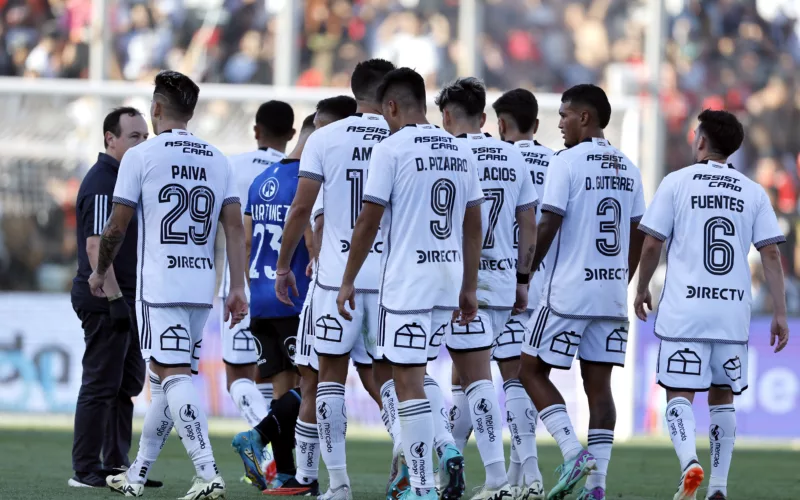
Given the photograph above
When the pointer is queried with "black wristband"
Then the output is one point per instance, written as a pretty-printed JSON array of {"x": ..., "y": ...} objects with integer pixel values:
[{"x": 523, "y": 278}]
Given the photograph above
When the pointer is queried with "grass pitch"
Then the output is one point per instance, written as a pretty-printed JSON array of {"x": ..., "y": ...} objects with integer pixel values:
[{"x": 37, "y": 464}]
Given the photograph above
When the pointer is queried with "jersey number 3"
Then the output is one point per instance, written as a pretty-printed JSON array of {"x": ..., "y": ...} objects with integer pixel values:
[
  {"x": 199, "y": 202},
  {"x": 609, "y": 245}
]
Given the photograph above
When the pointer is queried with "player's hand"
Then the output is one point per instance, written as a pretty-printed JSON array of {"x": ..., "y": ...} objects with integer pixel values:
[
  {"x": 467, "y": 308},
  {"x": 347, "y": 295},
  {"x": 521, "y": 304},
  {"x": 284, "y": 281},
  {"x": 96, "y": 282},
  {"x": 310, "y": 268},
  {"x": 779, "y": 330},
  {"x": 639, "y": 302},
  {"x": 235, "y": 307}
]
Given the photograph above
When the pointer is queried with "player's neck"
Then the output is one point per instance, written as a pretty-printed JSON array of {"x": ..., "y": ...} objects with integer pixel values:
[
  {"x": 272, "y": 144},
  {"x": 712, "y": 157},
  {"x": 592, "y": 133},
  {"x": 516, "y": 137},
  {"x": 298, "y": 149},
  {"x": 368, "y": 107},
  {"x": 465, "y": 128},
  {"x": 415, "y": 117},
  {"x": 165, "y": 125}
]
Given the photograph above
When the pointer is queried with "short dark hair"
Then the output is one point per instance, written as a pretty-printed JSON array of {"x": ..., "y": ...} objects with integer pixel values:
[
  {"x": 179, "y": 93},
  {"x": 111, "y": 122},
  {"x": 468, "y": 93},
  {"x": 367, "y": 76},
  {"x": 592, "y": 96},
  {"x": 723, "y": 131},
  {"x": 275, "y": 118},
  {"x": 337, "y": 107},
  {"x": 402, "y": 83},
  {"x": 521, "y": 105},
  {"x": 308, "y": 122}
]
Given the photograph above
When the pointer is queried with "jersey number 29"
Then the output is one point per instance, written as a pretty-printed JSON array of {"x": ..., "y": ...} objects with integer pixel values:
[{"x": 200, "y": 204}]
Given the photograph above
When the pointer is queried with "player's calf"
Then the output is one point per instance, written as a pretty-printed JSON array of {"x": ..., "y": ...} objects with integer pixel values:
[{"x": 722, "y": 435}]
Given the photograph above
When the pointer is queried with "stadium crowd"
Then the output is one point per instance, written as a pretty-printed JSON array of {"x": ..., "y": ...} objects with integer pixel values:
[{"x": 740, "y": 55}]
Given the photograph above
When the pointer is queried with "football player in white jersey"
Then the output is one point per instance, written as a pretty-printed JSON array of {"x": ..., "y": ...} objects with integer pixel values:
[
  {"x": 709, "y": 214},
  {"x": 511, "y": 201},
  {"x": 180, "y": 186},
  {"x": 335, "y": 160},
  {"x": 425, "y": 198},
  {"x": 517, "y": 120},
  {"x": 591, "y": 205},
  {"x": 273, "y": 130}
]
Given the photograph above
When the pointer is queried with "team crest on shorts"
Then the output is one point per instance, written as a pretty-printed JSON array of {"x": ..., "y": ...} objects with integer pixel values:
[
  {"x": 566, "y": 343},
  {"x": 410, "y": 337},
  {"x": 291, "y": 346},
  {"x": 684, "y": 362},
  {"x": 328, "y": 328},
  {"x": 617, "y": 340},
  {"x": 733, "y": 368},
  {"x": 175, "y": 338},
  {"x": 243, "y": 340}
]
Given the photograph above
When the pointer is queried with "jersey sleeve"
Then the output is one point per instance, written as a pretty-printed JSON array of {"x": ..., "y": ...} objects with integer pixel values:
[
  {"x": 311, "y": 159},
  {"x": 317, "y": 209},
  {"x": 128, "y": 189},
  {"x": 765, "y": 226},
  {"x": 639, "y": 206},
  {"x": 556, "y": 187},
  {"x": 94, "y": 210},
  {"x": 380, "y": 176},
  {"x": 475, "y": 192},
  {"x": 248, "y": 208},
  {"x": 231, "y": 191},
  {"x": 659, "y": 218},
  {"x": 528, "y": 197}
]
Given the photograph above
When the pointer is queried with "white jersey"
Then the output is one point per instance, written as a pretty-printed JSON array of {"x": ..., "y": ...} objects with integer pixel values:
[
  {"x": 537, "y": 158},
  {"x": 179, "y": 184},
  {"x": 246, "y": 167},
  {"x": 338, "y": 156},
  {"x": 426, "y": 179},
  {"x": 507, "y": 189},
  {"x": 598, "y": 191},
  {"x": 710, "y": 215}
]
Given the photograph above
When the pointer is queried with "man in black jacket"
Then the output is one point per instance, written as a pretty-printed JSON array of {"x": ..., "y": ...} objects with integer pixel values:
[{"x": 113, "y": 368}]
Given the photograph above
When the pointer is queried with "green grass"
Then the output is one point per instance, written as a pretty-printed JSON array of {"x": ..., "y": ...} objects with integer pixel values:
[{"x": 36, "y": 465}]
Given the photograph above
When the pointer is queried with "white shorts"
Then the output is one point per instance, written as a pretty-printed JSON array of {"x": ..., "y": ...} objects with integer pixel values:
[
  {"x": 405, "y": 339},
  {"x": 171, "y": 336},
  {"x": 304, "y": 354},
  {"x": 556, "y": 340},
  {"x": 334, "y": 335},
  {"x": 508, "y": 345},
  {"x": 479, "y": 334},
  {"x": 239, "y": 347},
  {"x": 698, "y": 366}
]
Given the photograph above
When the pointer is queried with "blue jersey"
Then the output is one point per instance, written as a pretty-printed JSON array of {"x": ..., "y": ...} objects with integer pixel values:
[{"x": 268, "y": 202}]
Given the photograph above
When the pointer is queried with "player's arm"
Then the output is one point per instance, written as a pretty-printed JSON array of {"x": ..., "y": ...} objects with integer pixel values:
[
  {"x": 110, "y": 287},
  {"x": 367, "y": 224},
  {"x": 656, "y": 225},
  {"x": 473, "y": 240},
  {"x": 112, "y": 236},
  {"x": 248, "y": 241},
  {"x": 554, "y": 207},
  {"x": 319, "y": 225},
  {"x": 766, "y": 237},
  {"x": 308, "y": 237},
  {"x": 235, "y": 246},
  {"x": 526, "y": 220},
  {"x": 94, "y": 208},
  {"x": 308, "y": 186},
  {"x": 635, "y": 249}
]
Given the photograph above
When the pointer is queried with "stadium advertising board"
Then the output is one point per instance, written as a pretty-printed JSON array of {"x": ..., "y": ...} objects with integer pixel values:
[{"x": 767, "y": 409}]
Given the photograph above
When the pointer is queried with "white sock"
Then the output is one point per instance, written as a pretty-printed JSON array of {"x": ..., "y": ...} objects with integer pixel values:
[
  {"x": 522, "y": 424},
  {"x": 680, "y": 422},
  {"x": 722, "y": 434},
  {"x": 389, "y": 403},
  {"x": 155, "y": 431},
  {"x": 249, "y": 400},
  {"x": 306, "y": 450},
  {"x": 514, "y": 467},
  {"x": 460, "y": 421},
  {"x": 487, "y": 422},
  {"x": 191, "y": 423},
  {"x": 266, "y": 392},
  {"x": 416, "y": 429},
  {"x": 441, "y": 418},
  {"x": 600, "y": 443},
  {"x": 558, "y": 424},
  {"x": 332, "y": 428}
]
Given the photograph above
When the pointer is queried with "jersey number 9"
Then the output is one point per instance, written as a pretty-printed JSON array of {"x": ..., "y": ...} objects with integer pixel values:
[
  {"x": 199, "y": 202},
  {"x": 443, "y": 198}
]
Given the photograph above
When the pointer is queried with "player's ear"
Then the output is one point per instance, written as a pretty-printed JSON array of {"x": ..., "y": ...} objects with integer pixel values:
[
  {"x": 483, "y": 119},
  {"x": 291, "y": 135},
  {"x": 255, "y": 132},
  {"x": 536, "y": 126},
  {"x": 501, "y": 126}
]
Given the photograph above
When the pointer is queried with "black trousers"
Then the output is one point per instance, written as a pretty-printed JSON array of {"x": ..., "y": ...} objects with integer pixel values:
[{"x": 113, "y": 373}]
